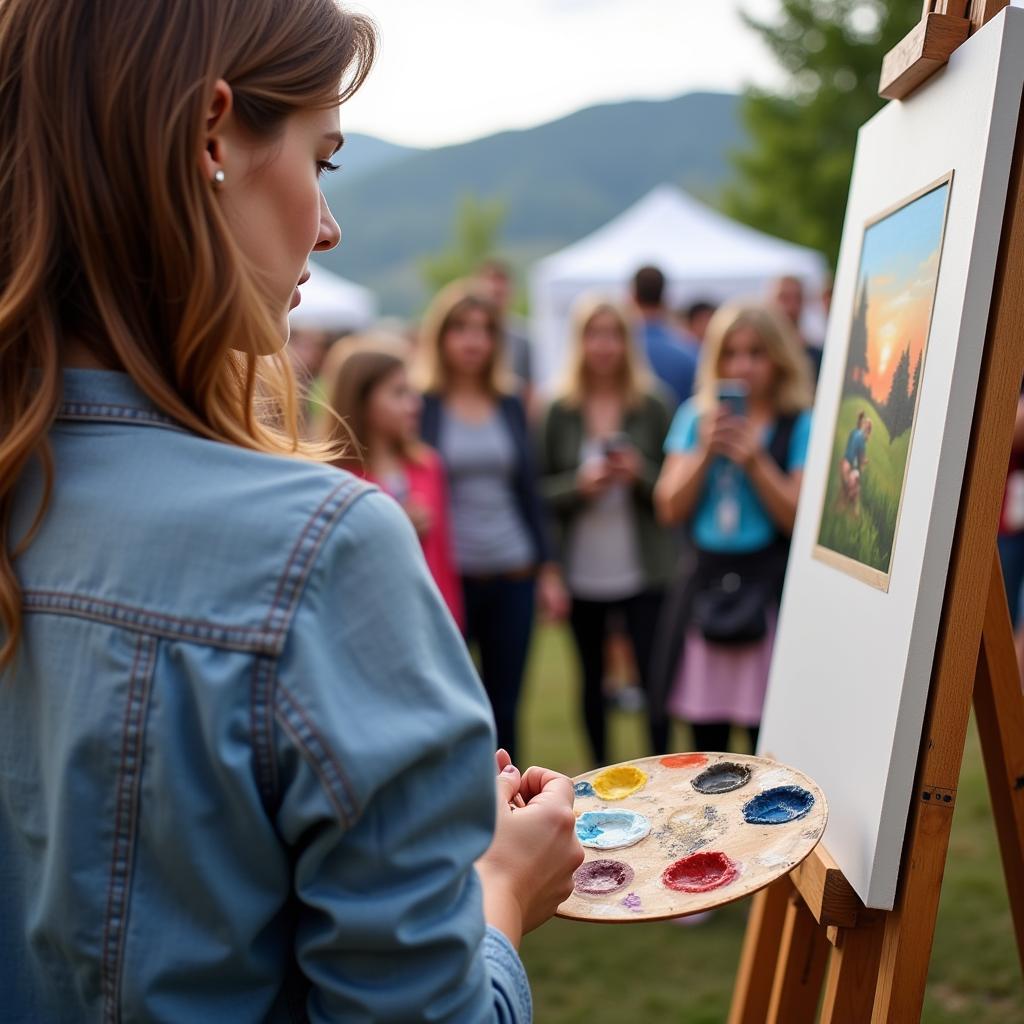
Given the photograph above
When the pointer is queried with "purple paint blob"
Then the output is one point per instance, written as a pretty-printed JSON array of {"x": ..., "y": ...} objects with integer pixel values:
[
  {"x": 602, "y": 877},
  {"x": 632, "y": 902}
]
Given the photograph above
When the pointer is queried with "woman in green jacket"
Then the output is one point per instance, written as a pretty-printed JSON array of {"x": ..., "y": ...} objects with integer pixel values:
[{"x": 601, "y": 452}]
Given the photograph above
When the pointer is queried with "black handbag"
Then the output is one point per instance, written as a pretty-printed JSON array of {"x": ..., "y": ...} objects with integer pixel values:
[
  {"x": 732, "y": 593},
  {"x": 732, "y": 609}
]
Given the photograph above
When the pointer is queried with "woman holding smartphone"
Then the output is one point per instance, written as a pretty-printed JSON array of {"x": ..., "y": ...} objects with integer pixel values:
[
  {"x": 601, "y": 452},
  {"x": 732, "y": 475},
  {"x": 247, "y": 772}
]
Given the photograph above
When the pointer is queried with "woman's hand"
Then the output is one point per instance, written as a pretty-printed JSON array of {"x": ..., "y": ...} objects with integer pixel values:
[
  {"x": 527, "y": 871},
  {"x": 552, "y": 595},
  {"x": 735, "y": 438},
  {"x": 593, "y": 478},
  {"x": 625, "y": 464}
]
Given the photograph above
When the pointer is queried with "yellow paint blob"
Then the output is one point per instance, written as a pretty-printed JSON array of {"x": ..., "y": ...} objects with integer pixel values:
[{"x": 620, "y": 782}]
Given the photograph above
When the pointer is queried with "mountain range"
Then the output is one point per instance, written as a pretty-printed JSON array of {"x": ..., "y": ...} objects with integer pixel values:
[{"x": 558, "y": 181}]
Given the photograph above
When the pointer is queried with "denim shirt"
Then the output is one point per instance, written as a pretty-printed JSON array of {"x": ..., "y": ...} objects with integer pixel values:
[{"x": 245, "y": 762}]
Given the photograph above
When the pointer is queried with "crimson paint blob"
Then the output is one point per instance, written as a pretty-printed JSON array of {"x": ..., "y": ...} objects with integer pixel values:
[
  {"x": 601, "y": 877},
  {"x": 684, "y": 760},
  {"x": 700, "y": 872}
]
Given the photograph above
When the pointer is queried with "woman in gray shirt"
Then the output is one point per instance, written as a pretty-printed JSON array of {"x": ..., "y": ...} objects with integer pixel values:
[{"x": 473, "y": 417}]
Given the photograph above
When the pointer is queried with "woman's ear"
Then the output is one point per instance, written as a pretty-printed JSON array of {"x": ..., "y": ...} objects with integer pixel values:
[{"x": 219, "y": 119}]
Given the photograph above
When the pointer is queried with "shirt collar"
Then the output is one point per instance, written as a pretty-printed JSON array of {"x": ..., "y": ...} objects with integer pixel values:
[{"x": 109, "y": 397}]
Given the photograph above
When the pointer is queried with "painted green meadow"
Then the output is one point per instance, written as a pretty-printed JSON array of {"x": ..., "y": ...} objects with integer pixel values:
[{"x": 868, "y": 537}]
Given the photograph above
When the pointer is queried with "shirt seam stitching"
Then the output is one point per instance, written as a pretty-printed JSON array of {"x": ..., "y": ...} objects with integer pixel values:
[
  {"x": 126, "y": 801},
  {"x": 323, "y": 762}
]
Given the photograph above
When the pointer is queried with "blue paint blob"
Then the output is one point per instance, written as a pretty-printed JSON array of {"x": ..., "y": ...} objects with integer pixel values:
[
  {"x": 611, "y": 830},
  {"x": 583, "y": 789},
  {"x": 778, "y": 806}
]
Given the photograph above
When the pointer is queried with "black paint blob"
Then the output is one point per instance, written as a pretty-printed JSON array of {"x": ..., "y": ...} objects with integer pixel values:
[{"x": 720, "y": 778}]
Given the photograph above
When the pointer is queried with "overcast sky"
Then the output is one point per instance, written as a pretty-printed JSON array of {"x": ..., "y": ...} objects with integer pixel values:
[{"x": 453, "y": 70}]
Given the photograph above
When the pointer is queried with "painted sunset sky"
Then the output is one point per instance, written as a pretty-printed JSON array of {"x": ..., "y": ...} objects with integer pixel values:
[{"x": 900, "y": 262}]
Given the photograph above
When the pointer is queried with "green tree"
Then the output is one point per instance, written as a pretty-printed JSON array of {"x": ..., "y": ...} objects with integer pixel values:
[
  {"x": 478, "y": 224},
  {"x": 916, "y": 384},
  {"x": 793, "y": 179},
  {"x": 857, "y": 357},
  {"x": 898, "y": 411}
]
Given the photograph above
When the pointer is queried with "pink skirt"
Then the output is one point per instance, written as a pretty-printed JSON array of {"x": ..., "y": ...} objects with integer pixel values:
[{"x": 715, "y": 683}]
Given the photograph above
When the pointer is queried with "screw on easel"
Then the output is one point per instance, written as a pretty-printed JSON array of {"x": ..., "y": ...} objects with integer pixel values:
[{"x": 1019, "y": 782}]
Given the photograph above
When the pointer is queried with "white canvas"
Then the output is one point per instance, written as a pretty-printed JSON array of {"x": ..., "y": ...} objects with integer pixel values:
[{"x": 853, "y": 663}]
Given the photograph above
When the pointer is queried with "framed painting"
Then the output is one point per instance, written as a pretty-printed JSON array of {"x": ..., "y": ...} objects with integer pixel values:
[{"x": 887, "y": 342}]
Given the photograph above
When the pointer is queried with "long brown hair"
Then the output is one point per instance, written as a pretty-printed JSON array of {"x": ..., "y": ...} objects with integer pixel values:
[
  {"x": 448, "y": 307},
  {"x": 111, "y": 235},
  {"x": 362, "y": 365}
]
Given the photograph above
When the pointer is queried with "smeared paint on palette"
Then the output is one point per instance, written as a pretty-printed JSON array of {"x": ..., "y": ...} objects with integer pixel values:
[{"x": 688, "y": 832}]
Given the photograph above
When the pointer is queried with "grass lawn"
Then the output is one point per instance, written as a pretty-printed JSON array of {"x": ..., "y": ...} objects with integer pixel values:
[
  {"x": 869, "y": 538},
  {"x": 648, "y": 974}
]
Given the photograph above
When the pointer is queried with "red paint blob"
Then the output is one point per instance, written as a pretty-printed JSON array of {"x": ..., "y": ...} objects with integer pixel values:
[
  {"x": 700, "y": 872},
  {"x": 684, "y": 760}
]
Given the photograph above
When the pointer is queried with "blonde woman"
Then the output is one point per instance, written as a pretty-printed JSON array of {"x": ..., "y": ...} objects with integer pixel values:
[
  {"x": 473, "y": 416},
  {"x": 601, "y": 452},
  {"x": 732, "y": 475},
  {"x": 246, "y": 769}
]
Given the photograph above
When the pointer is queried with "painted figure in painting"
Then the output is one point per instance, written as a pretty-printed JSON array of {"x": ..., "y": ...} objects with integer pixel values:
[
  {"x": 888, "y": 340},
  {"x": 854, "y": 462}
]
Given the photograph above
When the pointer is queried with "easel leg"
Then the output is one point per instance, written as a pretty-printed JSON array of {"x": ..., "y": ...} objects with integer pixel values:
[
  {"x": 999, "y": 709},
  {"x": 753, "y": 990},
  {"x": 853, "y": 972},
  {"x": 803, "y": 953}
]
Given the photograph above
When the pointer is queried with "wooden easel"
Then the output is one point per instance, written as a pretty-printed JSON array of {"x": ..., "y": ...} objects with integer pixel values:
[{"x": 809, "y": 931}]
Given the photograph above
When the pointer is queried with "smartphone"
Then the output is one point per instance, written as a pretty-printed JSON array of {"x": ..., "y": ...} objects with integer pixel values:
[
  {"x": 615, "y": 443},
  {"x": 733, "y": 395}
]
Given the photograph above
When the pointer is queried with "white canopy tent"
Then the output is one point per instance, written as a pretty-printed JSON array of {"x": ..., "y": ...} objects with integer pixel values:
[
  {"x": 331, "y": 303},
  {"x": 703, "y": 254}
]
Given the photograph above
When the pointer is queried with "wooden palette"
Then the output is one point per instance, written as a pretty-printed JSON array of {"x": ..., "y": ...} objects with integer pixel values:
[{"x": 719, "y": 848}]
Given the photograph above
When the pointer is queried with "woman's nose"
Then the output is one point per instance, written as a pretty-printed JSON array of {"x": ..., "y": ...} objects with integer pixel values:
[{"x": 330, "y": 233}]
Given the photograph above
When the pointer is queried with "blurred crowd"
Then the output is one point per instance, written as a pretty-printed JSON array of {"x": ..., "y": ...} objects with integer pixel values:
[{"x": 646, "y": 499}]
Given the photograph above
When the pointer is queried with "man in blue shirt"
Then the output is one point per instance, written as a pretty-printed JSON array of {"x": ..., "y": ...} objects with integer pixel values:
[{"x": 672, "y": 356}]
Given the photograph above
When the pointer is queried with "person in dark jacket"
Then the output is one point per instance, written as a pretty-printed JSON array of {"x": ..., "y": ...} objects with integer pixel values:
[
  {"x": 474, "y": 418},
  {"x": 601, "y": 452}
]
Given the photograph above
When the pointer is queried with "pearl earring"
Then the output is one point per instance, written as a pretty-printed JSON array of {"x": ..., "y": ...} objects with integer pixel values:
[{"x": 219, "y": 177}]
